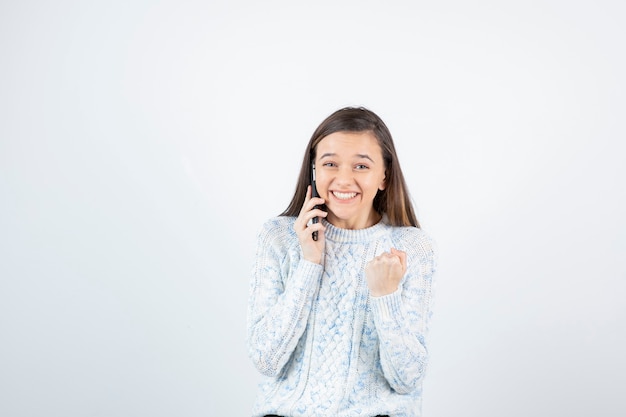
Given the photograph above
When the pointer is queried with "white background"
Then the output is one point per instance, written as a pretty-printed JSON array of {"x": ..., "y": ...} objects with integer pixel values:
[{"x": 143, "y": 143}]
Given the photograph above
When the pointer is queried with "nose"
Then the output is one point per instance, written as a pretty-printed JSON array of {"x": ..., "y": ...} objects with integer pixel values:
[{"x": 344, "y": 176}]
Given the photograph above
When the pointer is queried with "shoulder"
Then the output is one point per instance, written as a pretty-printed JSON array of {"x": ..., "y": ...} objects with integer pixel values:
[
  {"x": 279, "y": 224},
  {"x": 415, "y": 241},
  {"x": 278, "y": 231}
]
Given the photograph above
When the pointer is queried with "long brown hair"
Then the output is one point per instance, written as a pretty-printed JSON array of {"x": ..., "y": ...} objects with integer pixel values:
[{"x": 394, "y": 200}]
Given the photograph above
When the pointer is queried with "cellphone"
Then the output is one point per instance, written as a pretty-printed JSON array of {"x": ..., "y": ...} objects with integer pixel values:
[{"x": 314, "y": 193}]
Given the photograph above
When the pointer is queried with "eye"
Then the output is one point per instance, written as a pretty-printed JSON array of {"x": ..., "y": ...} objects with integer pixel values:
[
  {"x": 361, "y": 167},
  {"x": 329, "y": 164}
]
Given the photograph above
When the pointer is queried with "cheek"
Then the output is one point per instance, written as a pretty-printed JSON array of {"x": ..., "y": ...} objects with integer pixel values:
[
  {"x": 377, "y": 181},
  {"x": 370, "y": 188},
  {"x": 382, "y": 183},
  {"x": 322, "y": 184},
  {"x": 321, "y": 179}
]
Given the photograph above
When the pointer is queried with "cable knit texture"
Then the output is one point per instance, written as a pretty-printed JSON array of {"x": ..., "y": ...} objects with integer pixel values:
[{"x": 325, "y": 346}]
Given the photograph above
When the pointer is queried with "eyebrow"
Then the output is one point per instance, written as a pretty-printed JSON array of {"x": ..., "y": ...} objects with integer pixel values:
[{"x": 360, "y": 155}]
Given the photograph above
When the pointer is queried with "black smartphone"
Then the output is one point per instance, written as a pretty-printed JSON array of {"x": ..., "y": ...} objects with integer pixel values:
[{"x": 314, "y": 193}]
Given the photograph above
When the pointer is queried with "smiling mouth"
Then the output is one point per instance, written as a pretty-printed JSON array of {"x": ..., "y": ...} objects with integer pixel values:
[{"x": 344, "y": 196}]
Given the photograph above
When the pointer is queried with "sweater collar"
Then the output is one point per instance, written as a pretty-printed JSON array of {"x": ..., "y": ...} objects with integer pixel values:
[{"x": 337, "y": 234}]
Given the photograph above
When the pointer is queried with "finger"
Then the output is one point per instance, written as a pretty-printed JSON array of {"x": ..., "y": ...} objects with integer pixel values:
[
  {"x": 305, "y": 219},
  {"x": 313, "y": 215},
  {"x": 386, "y": 259},
  {"x": 310, "y": 202},
  {"x": 401, "y": 255},
  {"x": 403, "y": 260},
  {"x": 307, "y": 197},
  {"x": 315, "y": 227}
]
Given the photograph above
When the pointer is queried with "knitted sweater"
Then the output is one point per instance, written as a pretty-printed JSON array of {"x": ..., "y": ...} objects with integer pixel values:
[{"x": 325, "y": 346}]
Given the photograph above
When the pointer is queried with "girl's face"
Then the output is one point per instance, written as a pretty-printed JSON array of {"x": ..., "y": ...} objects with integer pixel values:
[{"x": 349, "y": 172}]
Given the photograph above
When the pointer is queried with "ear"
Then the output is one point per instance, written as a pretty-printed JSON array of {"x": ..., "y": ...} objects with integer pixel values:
[{"x": 383, "y": 183}]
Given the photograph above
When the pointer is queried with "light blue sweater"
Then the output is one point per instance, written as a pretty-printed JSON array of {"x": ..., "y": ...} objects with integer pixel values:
[{"x": 324, "y": 345}]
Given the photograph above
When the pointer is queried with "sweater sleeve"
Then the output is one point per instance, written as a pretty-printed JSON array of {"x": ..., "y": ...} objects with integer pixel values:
[
  {"x": 402, "y": 318},
  {"x": 282, "y": 289}
]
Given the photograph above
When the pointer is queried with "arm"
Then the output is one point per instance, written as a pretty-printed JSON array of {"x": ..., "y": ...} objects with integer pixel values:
[
  {"x": 281, "y": 295},
  {"x": 401, "y": 319}
]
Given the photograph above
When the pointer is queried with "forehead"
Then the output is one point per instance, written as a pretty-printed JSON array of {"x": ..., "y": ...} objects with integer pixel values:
[{"x": 349, "y": 144}]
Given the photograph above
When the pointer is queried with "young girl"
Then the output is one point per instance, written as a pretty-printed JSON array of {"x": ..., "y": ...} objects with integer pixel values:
[{"x": 339, "y": 308}]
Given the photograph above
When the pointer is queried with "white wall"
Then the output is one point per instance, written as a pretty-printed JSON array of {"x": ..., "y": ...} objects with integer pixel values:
[{"x": 143, "y": 143}]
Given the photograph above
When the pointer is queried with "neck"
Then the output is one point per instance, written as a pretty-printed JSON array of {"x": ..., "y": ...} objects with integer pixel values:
[{"x": 355, "y": 224}]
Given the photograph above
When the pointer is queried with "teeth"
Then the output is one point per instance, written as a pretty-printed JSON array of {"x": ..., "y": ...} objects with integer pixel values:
[{"x": 344, "y": 196}]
